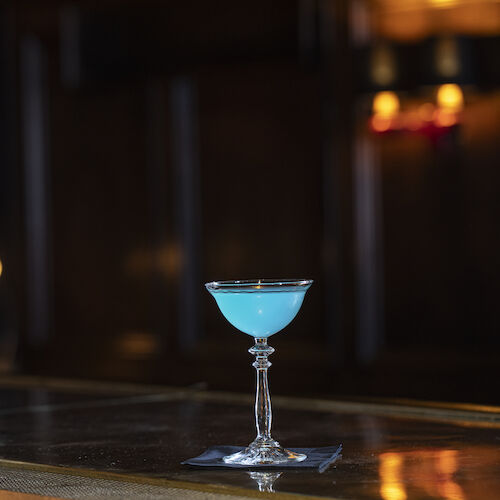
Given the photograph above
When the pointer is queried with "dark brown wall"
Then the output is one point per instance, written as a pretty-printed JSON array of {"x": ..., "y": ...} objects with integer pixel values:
[{"x": 182, "y": 144}]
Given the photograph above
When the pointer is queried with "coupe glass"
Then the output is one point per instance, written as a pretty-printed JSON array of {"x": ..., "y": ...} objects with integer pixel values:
[{"x": 261, "y": 308}]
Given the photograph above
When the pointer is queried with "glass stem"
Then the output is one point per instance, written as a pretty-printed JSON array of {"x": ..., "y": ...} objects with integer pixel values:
[{"x": 263, "y": 412}]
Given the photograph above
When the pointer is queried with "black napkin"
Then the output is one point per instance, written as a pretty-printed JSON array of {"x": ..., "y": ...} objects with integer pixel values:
[{"x": 317, "y": 458}]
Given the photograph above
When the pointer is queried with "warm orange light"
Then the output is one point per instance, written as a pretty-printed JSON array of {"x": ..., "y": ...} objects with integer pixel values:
[
  {"x": 1, "y": 267},
  {"x": 445, "y": 118},
  {"x": 380, "y": 123},
  {"x": 412, "y": 120},
  {"x": 392, "y": 487},
  {"x": 447, "y": 462},
  {"x": 426, "y": 111},
  {"x": 450, "y": 97},
  {"x": 386, "y": 104},
  {"x": 441, "y": 4},
  {"x": 166, "y": 260},
  {"x": 418, "y": 19},
  {"x": 452, "y": 491},
  {"x": 259, "y": 285},
  {"x": 447, "y": 465},
  {"x": 137, "y": 345}
]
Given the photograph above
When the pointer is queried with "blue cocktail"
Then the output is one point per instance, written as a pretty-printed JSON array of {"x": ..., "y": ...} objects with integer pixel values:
[
  {"x": 258, "y": 311},
  {"x": 261, "y": 308}
]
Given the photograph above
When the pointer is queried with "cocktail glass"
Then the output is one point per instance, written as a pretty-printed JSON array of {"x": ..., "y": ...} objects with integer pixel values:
[{"x": 261, "y": 308}]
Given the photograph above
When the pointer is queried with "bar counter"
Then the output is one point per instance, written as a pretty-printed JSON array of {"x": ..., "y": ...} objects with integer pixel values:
[{"x": 74, "y": 439}]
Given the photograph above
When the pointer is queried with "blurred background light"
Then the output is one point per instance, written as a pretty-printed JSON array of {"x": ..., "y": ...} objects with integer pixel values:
[
  {"x": 163, "y": 129},
  {"x": 450, "y": 97},
  {"x": 386, "y": 104},
  {"x": 447, "y": 57},
  {"x": 380, "y": 123},
  {"x": 383, "y": 66},
  {"x": 385, "y": 109},
  {"x": 426, "y": 111},
  {"x": 441, "y": 4},
  {"x": 416, "y": 19},
  {"x": 444, "y": 118},
  {"x": 137, "y": 345}
]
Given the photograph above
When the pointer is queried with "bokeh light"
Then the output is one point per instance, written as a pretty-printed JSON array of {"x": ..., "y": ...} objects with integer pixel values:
[
  {"x": 386, "y": 104},
  {"x": 450, "y": 97}
]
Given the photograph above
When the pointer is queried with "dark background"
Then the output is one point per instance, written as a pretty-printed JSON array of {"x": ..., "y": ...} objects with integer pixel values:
[{"x": 149, "y": 147}]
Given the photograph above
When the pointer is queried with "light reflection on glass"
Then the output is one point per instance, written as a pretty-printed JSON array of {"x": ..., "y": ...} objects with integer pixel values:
[{"x": 265, "y": 480}]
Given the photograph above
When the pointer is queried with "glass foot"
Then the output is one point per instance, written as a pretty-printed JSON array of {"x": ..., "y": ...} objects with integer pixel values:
[{"x": 262, "y": 452}]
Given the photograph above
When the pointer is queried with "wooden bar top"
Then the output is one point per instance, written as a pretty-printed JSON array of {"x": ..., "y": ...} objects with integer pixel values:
[{"x": 130, "y": 440}]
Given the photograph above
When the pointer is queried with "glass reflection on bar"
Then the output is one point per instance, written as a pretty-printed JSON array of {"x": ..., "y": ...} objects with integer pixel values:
[
  {"x": 392, "y": 486},
  {"x": 428, "y": 473}
]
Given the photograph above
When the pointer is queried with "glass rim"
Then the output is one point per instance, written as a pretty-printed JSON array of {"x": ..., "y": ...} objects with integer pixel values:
[{"x": 258, "y": 284}]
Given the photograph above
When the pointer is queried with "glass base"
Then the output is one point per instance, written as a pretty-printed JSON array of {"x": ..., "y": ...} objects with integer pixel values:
[{"x": 264, "y": 452}]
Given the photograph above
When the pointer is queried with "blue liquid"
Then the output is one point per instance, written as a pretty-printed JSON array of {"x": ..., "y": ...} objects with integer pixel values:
[{"x": 260, "y": 314}]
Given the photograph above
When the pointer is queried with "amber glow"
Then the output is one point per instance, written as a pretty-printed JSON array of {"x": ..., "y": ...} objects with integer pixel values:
[
  {"x": 417, "y": 117},
  {"x": 259, "y": 285},
  {"x": 447, "y": 461},
  {"x": 1, "y": 267},
  {"x": 444, "y": 118},
  {"x": 392, "y": 486},
  {"x": 385, "y": 109},
  {"x": 447, "y": 465},
  {"x": 441, "y": 4},
  {"x": 426, "y": 111},
  {"x": 166, "y": 260},
  {"x": 380, "y": 124},
  {"x": 137, "y": 345},
  {"x": 417, "y": 19},
  {"x": 412, "y": 120},
  {"x": 430, "y": 471},
  {"x": 450, "y": 97},
  {"x": 386, "y": 104}
]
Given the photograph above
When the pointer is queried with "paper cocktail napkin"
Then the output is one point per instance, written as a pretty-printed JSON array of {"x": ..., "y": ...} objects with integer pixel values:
[{"x": 317, "y": 458}]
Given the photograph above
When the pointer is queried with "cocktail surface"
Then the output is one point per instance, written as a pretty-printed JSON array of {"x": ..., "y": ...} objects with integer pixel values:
[{"x": 260, "y": 313}]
